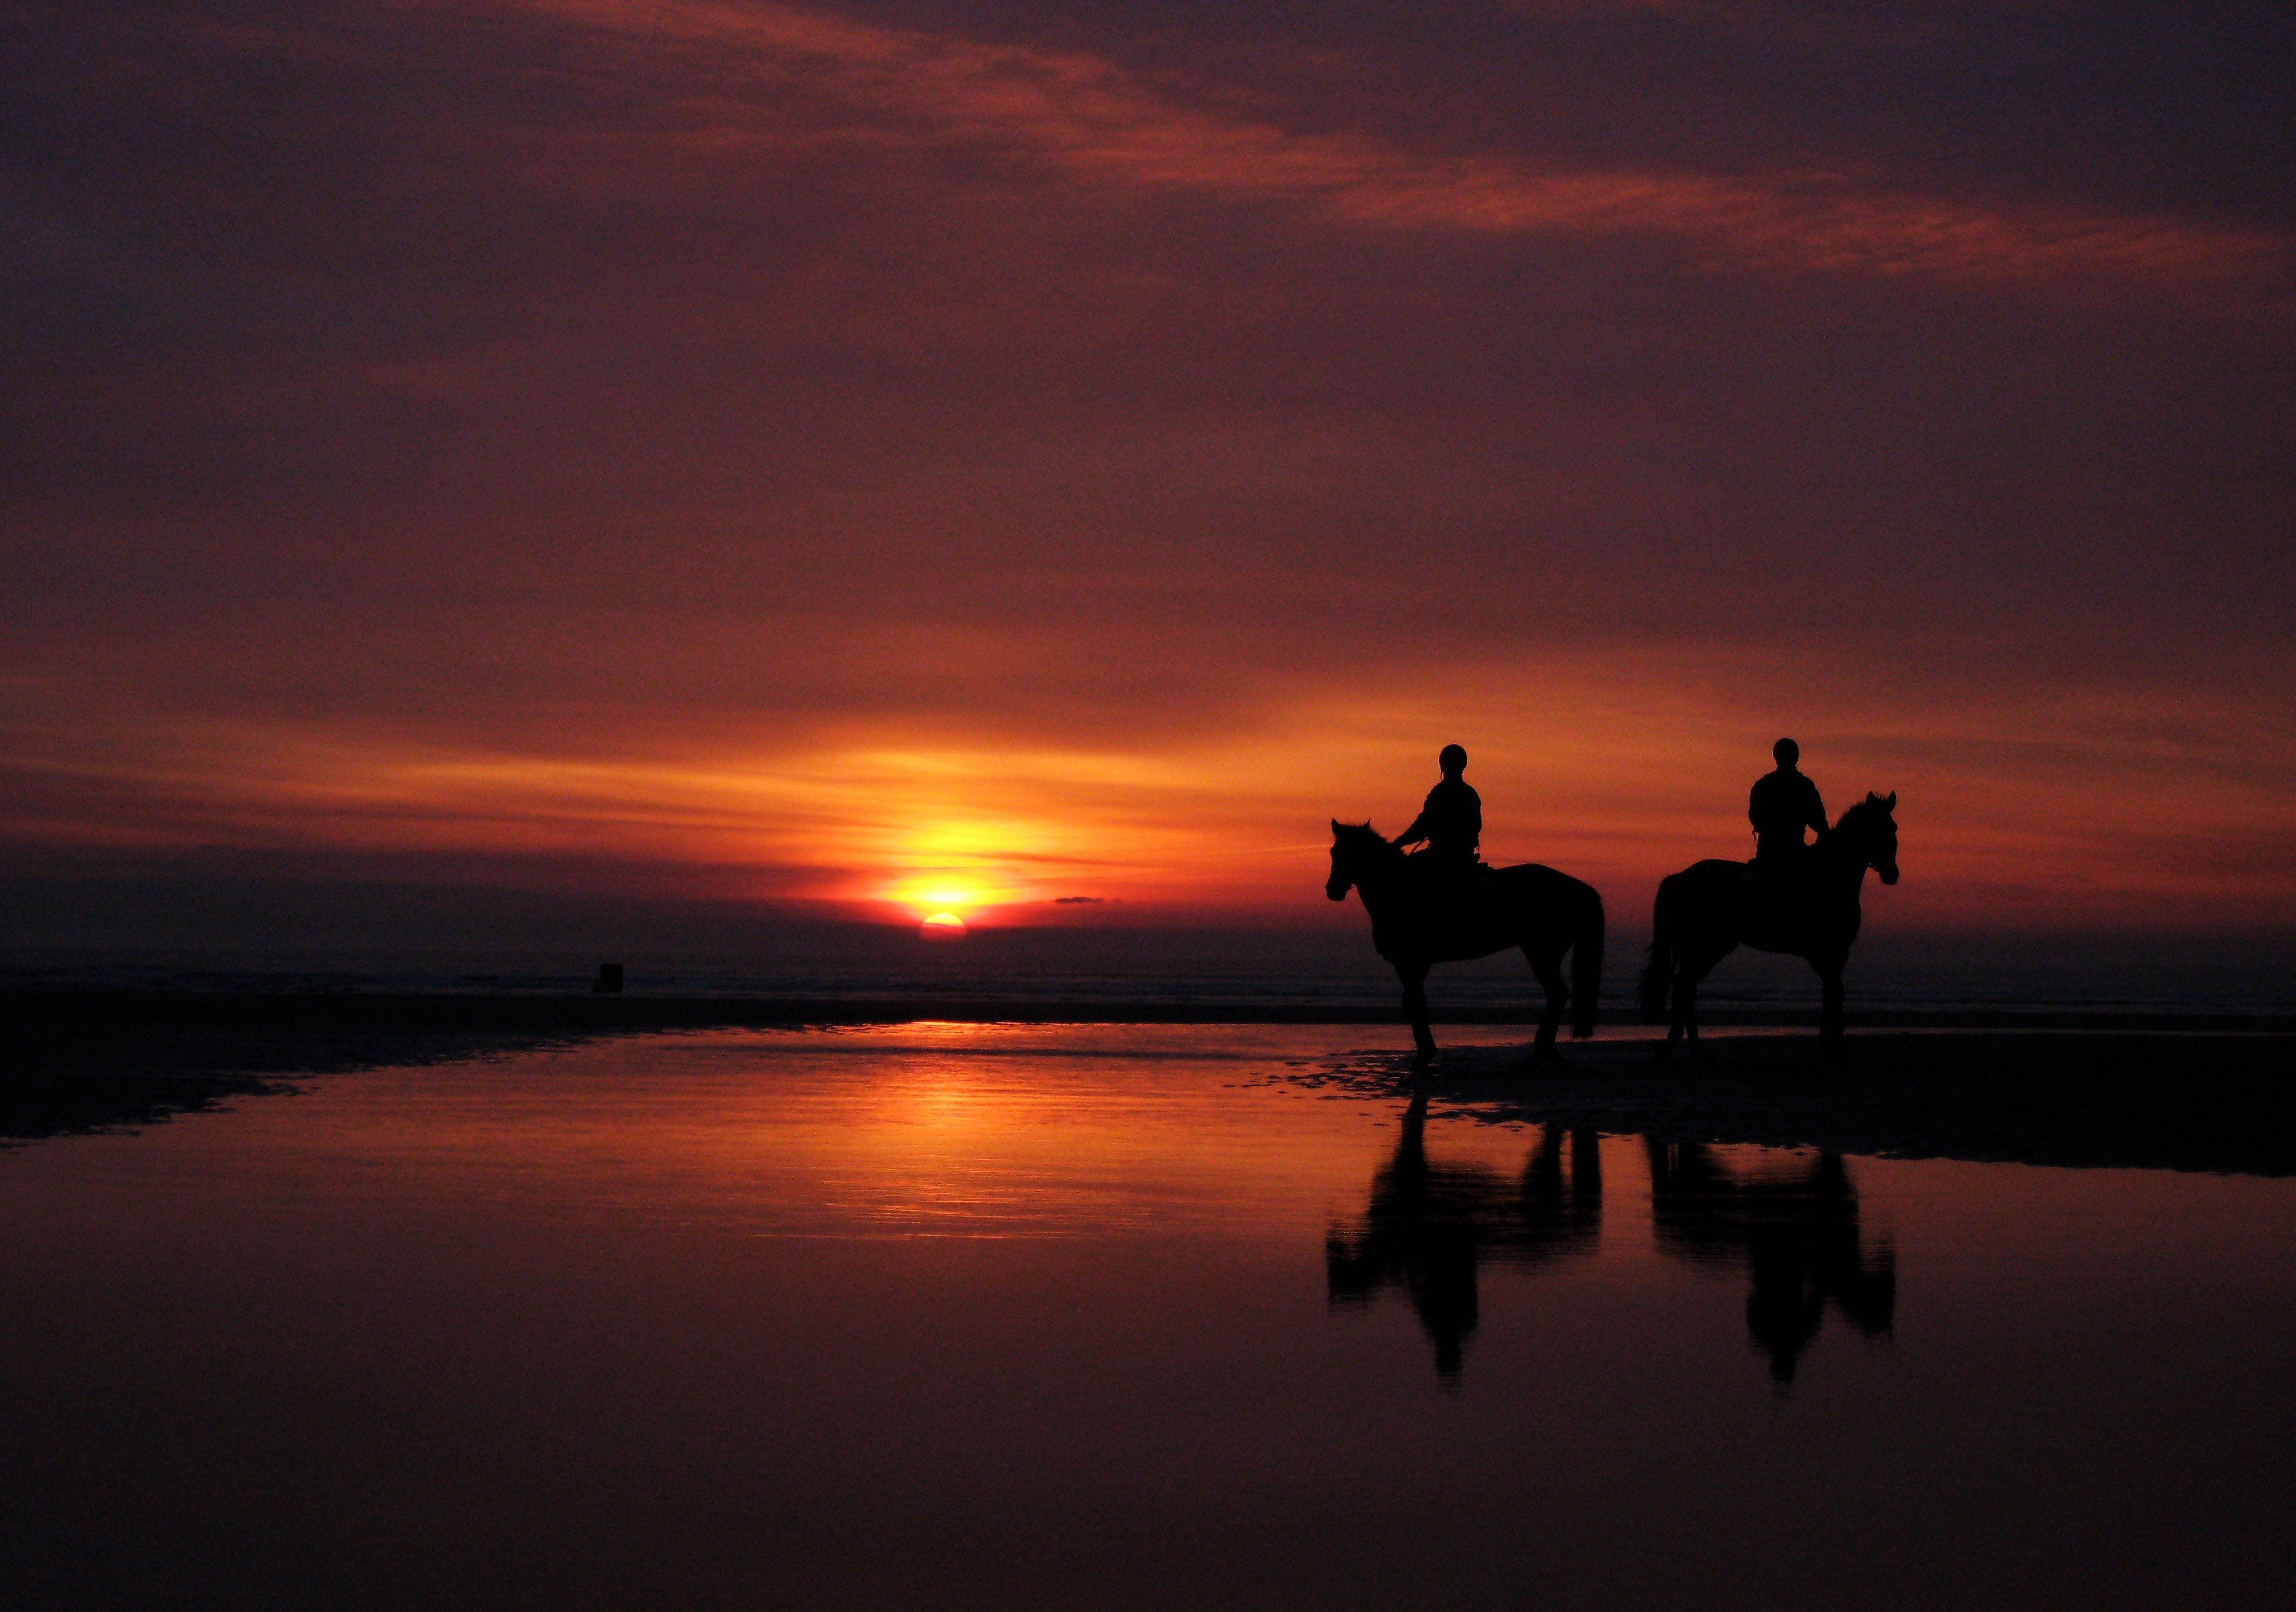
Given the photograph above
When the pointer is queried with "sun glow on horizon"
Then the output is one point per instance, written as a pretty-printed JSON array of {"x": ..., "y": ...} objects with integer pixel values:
[
  {"x": 1617, "y": 774},
  {"x": 960, "y": 868},
  {"x": 944, "y": 896}
]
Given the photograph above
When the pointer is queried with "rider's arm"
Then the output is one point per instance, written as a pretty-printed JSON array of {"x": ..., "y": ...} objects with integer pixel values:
[
  {"x": 1816, "y": 812},
  {"x": 1413, "y": 835}
]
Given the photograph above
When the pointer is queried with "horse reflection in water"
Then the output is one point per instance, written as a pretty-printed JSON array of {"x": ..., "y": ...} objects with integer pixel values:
[
  {"x": 1796, "y": 1231},
  {"x": 1429, "y": 1226}
]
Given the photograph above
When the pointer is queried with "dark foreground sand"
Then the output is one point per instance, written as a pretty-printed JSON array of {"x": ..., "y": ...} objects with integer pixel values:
[{"x": 2164, "y": 1093}]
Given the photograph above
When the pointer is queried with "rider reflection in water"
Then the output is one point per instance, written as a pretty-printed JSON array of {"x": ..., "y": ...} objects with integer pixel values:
[{"x": 1451, "y": 822}]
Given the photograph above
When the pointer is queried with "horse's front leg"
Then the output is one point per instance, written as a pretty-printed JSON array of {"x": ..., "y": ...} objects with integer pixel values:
[
  {"x": 1829, "y": 1017},
  {"x": 1415, "y": 1004}
]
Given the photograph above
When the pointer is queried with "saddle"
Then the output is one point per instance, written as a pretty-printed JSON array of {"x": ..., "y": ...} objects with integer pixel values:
[
  {"x": 1779, "y": 893},
  {"x": 1433, "y": 868},
  {"x": 1448, "y": 886}
]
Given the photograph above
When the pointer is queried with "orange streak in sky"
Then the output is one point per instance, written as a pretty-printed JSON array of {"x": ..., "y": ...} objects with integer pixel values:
[{"x": 2052, "y": 809}]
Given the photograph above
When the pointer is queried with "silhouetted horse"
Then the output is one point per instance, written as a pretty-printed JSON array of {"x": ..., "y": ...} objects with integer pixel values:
[
  {"x": 1711, "y": 908},
  {"x": 1418, "y": 920}
]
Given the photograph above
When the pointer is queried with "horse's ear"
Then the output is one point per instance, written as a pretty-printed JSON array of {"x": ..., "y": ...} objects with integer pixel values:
[
  {"x": 1335, "y": 825},
  {"x": 1892, "y": 802}
]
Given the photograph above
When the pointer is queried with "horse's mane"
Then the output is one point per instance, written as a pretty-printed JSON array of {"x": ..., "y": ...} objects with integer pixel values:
[
  {"x": 1858, "y": 816},
  {"x": 1363, "y": 833}
]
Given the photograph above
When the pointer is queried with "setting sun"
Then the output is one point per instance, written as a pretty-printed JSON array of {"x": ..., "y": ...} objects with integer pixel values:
[
  {"x": 928, "y": 900},
  {"x": 942, "y": 926}
]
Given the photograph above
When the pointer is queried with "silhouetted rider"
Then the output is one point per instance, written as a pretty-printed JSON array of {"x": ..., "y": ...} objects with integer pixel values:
[
  {"x": 1783, "y": 805},
  {"x": 1451, "y": 823}
]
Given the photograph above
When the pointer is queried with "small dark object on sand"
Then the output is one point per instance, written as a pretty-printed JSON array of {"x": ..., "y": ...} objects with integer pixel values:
[{"x": 608, "y": 982}]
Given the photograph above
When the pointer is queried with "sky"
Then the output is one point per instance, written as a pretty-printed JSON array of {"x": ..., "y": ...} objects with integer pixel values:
[{"x": 1044, "y": 462}]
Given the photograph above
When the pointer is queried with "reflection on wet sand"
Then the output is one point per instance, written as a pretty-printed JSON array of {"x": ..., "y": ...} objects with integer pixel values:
[
  {"x": 1793, "y": 1223},
  {"x": 1793, "y": 1226},
  {"x": 980, "y": 1316},
  {"x": 1429, "y": 1225}
]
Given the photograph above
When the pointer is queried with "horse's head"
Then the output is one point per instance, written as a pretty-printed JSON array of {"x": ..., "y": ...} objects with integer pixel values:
[
  {"x": 1869, "y": 831},
  {"x": 1351, "y": 842}
]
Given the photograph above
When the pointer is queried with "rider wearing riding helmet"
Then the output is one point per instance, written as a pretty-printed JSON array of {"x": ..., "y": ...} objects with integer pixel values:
[{"x": 1451, "y": 822}]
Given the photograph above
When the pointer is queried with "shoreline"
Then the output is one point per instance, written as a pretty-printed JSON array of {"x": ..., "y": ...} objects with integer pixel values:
[
  {"x": 2194, "y": 1092},
  {"x": 75, "y": 1009}
]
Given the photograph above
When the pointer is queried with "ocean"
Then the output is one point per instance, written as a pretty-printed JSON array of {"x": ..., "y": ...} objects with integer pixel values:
[{"x": 1249, "y": 971}]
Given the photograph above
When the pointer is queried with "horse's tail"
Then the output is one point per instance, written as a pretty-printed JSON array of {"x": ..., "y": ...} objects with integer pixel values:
[
  {"x": 1586, "y": 966},
  {"x": 1660, "y": 972}
]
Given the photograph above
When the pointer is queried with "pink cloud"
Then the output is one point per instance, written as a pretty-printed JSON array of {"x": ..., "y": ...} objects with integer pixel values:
[{"x": 1095, "y": 119}]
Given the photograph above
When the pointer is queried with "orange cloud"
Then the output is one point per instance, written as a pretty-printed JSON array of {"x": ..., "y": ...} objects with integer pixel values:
[{"x": 2019, "y": 808}]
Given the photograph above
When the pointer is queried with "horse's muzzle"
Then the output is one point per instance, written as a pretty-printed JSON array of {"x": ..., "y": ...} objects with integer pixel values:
[
  {"x": 1889, "y": 874},
  {"x": 1336, "y": 890}
]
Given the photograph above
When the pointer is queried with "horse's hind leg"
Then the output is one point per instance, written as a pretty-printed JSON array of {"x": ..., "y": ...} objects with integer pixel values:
[
  {"x": 1674, "y": 1025},
  {"x": 1686, "y": 997},
  {"x": 1415, "y": 1004},
  {"x": 1549, "y": 970}
]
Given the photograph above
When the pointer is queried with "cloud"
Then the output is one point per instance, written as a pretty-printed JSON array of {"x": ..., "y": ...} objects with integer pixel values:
[
  {"x": 1862, "y": 25},
  {"x": 1619, "y": 769},
  {"x": 1099, "y": 121}
]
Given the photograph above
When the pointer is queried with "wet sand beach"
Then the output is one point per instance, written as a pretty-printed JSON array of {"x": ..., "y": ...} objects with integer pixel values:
[
  {"x": 1138, "y": 1315},
  {"x": 2175, "y": 1091}
]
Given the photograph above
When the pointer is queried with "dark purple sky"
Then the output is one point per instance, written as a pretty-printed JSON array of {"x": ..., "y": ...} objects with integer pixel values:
[{"x": 896, "y": 452}]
